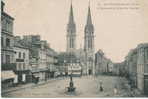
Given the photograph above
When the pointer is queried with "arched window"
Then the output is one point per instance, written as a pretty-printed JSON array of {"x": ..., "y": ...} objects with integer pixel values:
[{"x": 70, "y": 43}]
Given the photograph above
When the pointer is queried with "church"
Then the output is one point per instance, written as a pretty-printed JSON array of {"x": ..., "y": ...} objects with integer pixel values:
[{"x": 83, "y": 57}]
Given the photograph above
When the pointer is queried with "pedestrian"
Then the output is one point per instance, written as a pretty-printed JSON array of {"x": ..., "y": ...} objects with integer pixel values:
[
  {"x": 115, "y": 90},
  {"x": 101, "y": 86}
]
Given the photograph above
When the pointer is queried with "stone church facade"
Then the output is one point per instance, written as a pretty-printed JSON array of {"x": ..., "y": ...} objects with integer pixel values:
[{"x": 87, "y": 63}]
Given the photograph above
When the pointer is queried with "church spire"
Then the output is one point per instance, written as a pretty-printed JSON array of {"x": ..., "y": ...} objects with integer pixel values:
[
  {"x": 89, "y": 28},
  {"x": 71, "y": 28},
  {"x": 71, "y": 17},
  {"x": 89, "y": 21},
  {"x": 71, "y": 32}
]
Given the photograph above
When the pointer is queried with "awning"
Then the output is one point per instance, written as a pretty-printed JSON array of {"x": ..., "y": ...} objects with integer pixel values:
[{"x": 7, "y": 75}]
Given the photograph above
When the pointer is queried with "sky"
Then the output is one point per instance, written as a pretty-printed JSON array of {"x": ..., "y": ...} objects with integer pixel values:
[{"x": 116, "y": 31}]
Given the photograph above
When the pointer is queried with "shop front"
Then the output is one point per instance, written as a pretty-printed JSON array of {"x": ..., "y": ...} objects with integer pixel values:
[{"x": 7, "y": 78}]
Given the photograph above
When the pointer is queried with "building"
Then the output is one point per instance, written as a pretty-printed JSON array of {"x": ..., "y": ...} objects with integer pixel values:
[
  {"x": 69, "y": 63},
  {"x": 52, "y": 61},
  {"x": 99, "y": 63},
  {"x": 7, "y": 44},
  {"x": 120, "y": 69},
  {"x": 63, "y": 69},
  {"x": 71, "y": 59},
  {"x": 89, "y": 45},
  {"x": 131, "y": 62},
  {"x": 103, "y": 65},
  {"x": 142, "y": 68},
  {"x": 42, "y": 58},
  {"x": 22, "y": 62},
  {"x": 116, "y": 69},
  {"x": 136, "y": 66},
  {"x": 110, "y": 66},
  {"x": 85, "y": 56}
]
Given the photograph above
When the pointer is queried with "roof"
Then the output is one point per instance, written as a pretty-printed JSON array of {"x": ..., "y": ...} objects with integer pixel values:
[
  {"x": 100, "y": 52},
  {"x": 18, "y": 44},
  {"x": 142, "y": 45},
  {"x": 7, "y": 15}
]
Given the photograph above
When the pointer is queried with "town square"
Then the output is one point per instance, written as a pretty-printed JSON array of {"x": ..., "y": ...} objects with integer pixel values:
[{"x": 66, "y": 58}]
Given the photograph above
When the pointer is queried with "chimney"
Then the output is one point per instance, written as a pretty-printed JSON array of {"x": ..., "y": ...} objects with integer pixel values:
[{"x": 2, "y": 6}]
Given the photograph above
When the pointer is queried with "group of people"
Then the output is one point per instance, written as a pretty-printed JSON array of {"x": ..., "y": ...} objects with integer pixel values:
[{"x": 101, "y": 87}]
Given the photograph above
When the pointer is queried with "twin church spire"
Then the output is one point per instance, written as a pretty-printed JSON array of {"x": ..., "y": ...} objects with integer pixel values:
[{"x": 71, "y": 29}]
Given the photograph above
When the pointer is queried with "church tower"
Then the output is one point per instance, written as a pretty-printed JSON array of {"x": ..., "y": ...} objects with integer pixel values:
[
  {"x": 89, "y": 44},
  {"x": 71, "y": 32}
]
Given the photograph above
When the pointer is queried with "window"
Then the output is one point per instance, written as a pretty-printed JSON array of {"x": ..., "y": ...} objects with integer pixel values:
[
  {"x": 147, "y": 52},
  {"x": 72, "y": 43},
  {"x": 8, "y": 26},
  {"x": 89, "y": 43},
  {"x": 24, "y": 55},
  {"x": 8, "y": 42},
  {"x": 146, "y": 68},
  {"x": 23, "y": 66},
  {"x": 2, "y": 58},
  {"x": 3, "y": 23},
  {"x": 20, "y": 65},
  {"x": 7, "y": 59},
  {"x": 19, "y": 55},
  {"x": 2, "y": 42}
]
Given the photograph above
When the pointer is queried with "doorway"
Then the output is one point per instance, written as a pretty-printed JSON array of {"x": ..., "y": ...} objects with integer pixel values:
[
  {"x": 146, "y": 85},
  {"x": 89, "y": 71}
]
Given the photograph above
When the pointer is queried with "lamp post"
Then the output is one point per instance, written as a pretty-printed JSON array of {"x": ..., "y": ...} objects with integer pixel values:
[{"x": 71, "y": 87}]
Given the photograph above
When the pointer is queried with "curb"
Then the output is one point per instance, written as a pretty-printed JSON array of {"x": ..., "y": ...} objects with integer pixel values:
[{"x": 32, "y": 85}]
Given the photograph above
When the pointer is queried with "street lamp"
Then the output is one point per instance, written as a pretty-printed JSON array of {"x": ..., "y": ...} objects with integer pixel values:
[{"x": 71, "y": 87}]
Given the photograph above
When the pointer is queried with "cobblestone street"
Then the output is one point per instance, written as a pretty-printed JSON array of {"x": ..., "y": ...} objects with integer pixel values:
[{"x": 86, "y": 86}]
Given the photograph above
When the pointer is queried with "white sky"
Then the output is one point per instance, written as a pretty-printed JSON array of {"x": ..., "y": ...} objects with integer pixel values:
[{"x": 116, "y": 31}]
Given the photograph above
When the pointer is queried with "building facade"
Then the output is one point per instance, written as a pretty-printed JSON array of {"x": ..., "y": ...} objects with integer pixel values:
[
  {"x": 142, "y": 68},
  {"x": 131, "y": 61},
  {"x": 22, "y": 62},
  {"x": 7, "y": 52},
  {"x": 7, "y": 39},
  {"x": 103, "y": 65},
  {"x": 43, "y": 59},
  {"x": 137, "y": 67}
]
